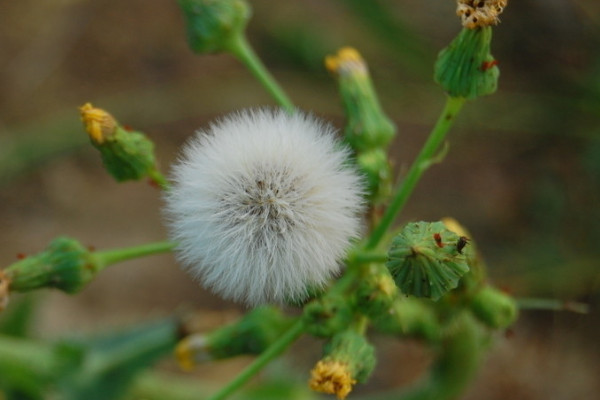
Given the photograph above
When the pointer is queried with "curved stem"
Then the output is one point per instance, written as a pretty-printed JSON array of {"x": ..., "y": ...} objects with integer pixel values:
[
  {"x": 240, "y": 48},
  {"x": 423, "y": 161},
  {"x": 109, "y": 257},
  {"x": 270, "y": 353}
]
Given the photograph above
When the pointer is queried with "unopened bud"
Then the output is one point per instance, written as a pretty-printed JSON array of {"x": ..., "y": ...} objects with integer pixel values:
[
  {"x": 252, "y": 334},
  {"x": 213, "y": 25},
  {"x": 367, "y": 127},
  {"x": 376, "y": 292},
  {"x": 65, "y": 265},
  {"x": 410, "y": 317},
  {"x": 426, "y": 260},
  {"x": 494, "y": 308},
  {"x": 466, "y": 68},
  {"x": 126, "y": 154},
  {"x": 327, "y": 315},
  {"x": 348, "y": 359}
]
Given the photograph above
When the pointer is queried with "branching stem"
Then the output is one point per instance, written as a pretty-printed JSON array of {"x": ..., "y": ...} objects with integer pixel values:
[{"x": 423, "y": 161}]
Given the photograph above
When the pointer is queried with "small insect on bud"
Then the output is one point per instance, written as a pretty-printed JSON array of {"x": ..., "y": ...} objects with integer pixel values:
[
  {"x": 420, "y": 266},
  {"x": 461, "y": 243}
]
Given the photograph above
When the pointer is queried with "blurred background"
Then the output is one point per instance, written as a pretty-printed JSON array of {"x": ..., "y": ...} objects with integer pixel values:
[{"x": 522, "y": 174}]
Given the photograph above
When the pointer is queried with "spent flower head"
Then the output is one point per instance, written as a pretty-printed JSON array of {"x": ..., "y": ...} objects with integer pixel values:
[{"x": 264, "y": 205}]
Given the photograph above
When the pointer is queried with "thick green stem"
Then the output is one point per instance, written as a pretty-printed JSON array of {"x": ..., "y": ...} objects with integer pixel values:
[
  {"x": 269, "y": 354},
  {"x": 108, "y": 257},
  {"x": 423, "y": 161},
  {"x": 244, "y": 52}
]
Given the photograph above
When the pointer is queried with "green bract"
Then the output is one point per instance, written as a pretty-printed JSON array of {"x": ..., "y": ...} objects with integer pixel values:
[
  {"x": 212, "y": 25},
  {"x": 127, "y": 155},
  {"x": 65, "y": 265},
  {"x": 427, "y": 260},
  {"x": 466, "y": 68}
]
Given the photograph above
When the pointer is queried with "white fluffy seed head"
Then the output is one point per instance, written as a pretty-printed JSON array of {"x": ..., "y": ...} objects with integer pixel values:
[{"x": 264, "y": 205}]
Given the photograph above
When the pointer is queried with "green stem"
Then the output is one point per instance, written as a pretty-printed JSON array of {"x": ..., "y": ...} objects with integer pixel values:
[
  {"x": 159, "y": 179},
  {"x": 423, "y": 161},
  {"x": 240, "y": 48},
  {"x": 270, "y": 353},
  {"x": 552, "y": 305},
  {"x": 368, "y": 257},
  {"x": 109, "y": 257}
]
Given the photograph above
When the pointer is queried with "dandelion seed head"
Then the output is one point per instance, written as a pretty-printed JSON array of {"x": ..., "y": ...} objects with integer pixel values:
[{"x": 264, "y": 205}]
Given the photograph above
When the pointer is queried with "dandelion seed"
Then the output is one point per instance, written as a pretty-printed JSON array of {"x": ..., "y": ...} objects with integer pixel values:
[{"x": 264, "y": 206}]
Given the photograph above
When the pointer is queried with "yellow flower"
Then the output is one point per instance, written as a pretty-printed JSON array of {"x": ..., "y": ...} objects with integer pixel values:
[
  {"x": 98, "y": 123},
  {"x": 332, "y": 377}
]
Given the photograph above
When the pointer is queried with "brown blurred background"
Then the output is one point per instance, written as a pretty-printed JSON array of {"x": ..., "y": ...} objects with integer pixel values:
[{"x": 523, "y": 171}]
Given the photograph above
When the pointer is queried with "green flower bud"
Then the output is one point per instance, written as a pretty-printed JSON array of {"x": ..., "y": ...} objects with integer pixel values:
[
  {"x": 375, "y": 166},
  {"x": 410, "y": 317},
  {"x": 127, "y": 155},
  {"x": 466, "y": 68},
  {"x": 252, "y": 334},
  {"x": 494, "y": 308},
  {"x": 212, "y": 25},
  {"x": 376, "y": 292},
  {"x": 65, "y": 265},
  {"x": 325, "y": 316},
  {"x": 426, "y": 259},
  {"x": 367, "y": 127},
  {"x": 349, "y": 358}
]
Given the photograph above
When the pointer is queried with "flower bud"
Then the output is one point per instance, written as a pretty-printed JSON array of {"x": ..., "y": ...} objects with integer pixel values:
[
  {"x": 127, "y": 155},
  {"x": 466, "y": 67},
  {"x": 410, "y": 317},
  {"x": 376, "y": 291},
  {"x": 213, "y": 25},
  {"x": 367, "y": 127},
  {"x": 327, "y": 315},
  {"x": 494, "y": 308},
  {"x": 348, "y": 359},
  {"x": 378, "y": 173},
  {"x": 252, "y": 334},
  {"x": 426, "y": 260},
  {"x": 65, "y": 265}
]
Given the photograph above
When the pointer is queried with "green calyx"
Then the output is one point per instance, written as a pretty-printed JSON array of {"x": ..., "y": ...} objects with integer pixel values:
[
  {"x": 376, "y": 168},
  {"x": 327, "y": 315},
  {"x": 252, "y": 334},
  {"x": 213, "y": 25},
  {"x": 65, "y": 265},
  {"x": 427, "y": 260},
  {"x": 351, "y": 348},
  {"x": 127, "y": 155},
  {"x": 466, "y": 67},
  {"x": 376, "y": 291},
  {"x": 494, "y": 308}
]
